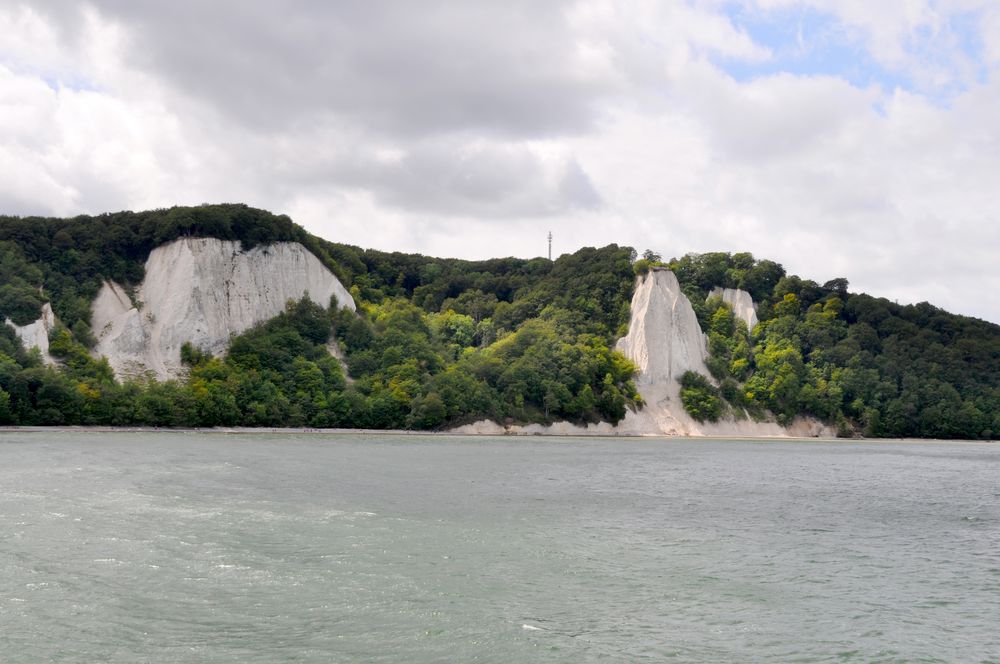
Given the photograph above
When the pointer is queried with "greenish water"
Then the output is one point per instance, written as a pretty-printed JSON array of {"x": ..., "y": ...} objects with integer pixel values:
[{"x": 259, "y": 548}]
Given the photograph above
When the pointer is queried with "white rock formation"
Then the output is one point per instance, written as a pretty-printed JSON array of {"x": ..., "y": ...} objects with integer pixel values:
[
  {"x": 36, "y": 335},
  {"x": 664, "y": 340},
  {"x": 741, "y": 303},
  {"x": 203, "y": 291}
]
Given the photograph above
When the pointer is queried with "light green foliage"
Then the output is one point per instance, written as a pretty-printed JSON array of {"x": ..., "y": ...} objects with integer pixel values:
[
  {"x": 649, "y": 260},
  {"x": 537, "y": 371},
  {"x": 862, "y": 364},
  {"x": 453, "y": 328},
  {"x": 730, "y": 354}
]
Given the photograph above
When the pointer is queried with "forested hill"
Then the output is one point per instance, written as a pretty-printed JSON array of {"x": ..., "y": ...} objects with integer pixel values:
[
  {"x": 866, "y": 364},
  {"x": 435, "y": 341},
  {"x": 438, "y": 342}
]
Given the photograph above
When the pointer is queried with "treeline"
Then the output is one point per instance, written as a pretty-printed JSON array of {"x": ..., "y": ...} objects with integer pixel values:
[
  {"x": 436, "y": 342},
  {"x": 865, "y": 364},
  {"x": 593, "y": 287}
]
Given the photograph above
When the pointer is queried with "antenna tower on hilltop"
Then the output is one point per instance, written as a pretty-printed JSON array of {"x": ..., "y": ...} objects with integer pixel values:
[{"x": 550, "y": 245}]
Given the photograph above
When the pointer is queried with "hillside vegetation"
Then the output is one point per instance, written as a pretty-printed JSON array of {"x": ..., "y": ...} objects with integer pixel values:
[
  {"x": 865, "y": 364},
  {"x": 438, "y": 342}
]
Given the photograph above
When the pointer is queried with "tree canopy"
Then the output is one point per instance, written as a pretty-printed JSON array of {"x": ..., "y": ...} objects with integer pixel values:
[
  {"x": 439, "y": 342},
  {"x": 863, "y": 364},
  {"x": 436, "y": 342}
]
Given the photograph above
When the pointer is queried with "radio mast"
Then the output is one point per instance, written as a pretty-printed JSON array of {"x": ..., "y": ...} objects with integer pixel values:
[{"x": 550, "y": 245}]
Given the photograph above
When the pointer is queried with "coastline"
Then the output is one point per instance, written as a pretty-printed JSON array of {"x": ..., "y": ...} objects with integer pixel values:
[{"x": 308, "y": 431}]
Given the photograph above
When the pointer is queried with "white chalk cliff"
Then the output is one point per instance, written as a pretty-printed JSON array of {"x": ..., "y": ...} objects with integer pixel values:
[
  {"x": 664, "y": 340},
  {"x": 36, "y": 334},
  {"x": 203, "y": 291},
  {"x": 740, "y": 302}
]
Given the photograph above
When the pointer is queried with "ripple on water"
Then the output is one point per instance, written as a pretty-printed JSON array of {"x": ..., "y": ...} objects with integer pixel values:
[{"x": 215, "y": 548}]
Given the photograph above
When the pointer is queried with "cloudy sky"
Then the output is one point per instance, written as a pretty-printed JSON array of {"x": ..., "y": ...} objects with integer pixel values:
[{"x": 840, "y": 137}]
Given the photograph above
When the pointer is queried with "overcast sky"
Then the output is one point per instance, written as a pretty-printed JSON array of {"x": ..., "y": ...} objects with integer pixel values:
[{"x": 839, "y": 137}]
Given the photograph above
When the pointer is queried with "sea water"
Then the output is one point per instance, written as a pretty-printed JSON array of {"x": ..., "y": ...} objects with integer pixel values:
[{"x": 184, "y": 547}]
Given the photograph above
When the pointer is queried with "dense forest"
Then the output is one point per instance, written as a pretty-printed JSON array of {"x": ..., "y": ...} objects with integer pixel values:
[
  {"x": 439, "y": 342},
  {"x": 435, "y": 342},
  {"x": 865, "y": 364}
]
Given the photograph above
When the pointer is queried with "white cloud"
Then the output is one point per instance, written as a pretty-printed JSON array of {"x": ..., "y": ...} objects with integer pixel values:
[{"x": 472, "y": 134}]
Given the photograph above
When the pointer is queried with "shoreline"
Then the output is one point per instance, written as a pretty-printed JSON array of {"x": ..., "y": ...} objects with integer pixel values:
[{"x": 308, "y": 431}]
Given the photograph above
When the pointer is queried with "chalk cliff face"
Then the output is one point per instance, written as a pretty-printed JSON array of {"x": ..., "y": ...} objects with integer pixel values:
[
  {"x": 664, "y": 340},
  {"x": 203, "y": 291},
  {"x": 741, "y": 303},
  {"x": 36, "y": 335}
]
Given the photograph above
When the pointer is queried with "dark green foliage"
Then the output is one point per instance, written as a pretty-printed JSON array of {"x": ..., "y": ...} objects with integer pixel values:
[
  {"x": 192, "y": 356},
  {"x": 594, "y": 284},
  {"x": 700, "y": 398},
  {"x": 703, "y": 272},
  {"x": 438, "y": 342},
  {"x": 21, "y": 296}
]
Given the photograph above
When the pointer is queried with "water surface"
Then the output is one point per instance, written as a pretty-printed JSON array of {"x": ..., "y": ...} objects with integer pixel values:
[{"x": 178, "y": 547}]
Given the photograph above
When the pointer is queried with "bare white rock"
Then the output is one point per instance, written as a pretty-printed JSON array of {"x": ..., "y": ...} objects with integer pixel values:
[
  {"x": 36, "y": 334},
  {"x": 741, "y": 303},
  {"x": 203, "y": 291},
  {"x": 664, "y": 340}
]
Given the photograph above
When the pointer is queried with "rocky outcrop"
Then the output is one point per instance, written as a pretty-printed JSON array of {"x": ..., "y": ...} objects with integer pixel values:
[
  {"x": 740, "y": 302},
  {"x": 664, "y": 340},
  {"x": 36, "y": 334},
  {"x": 203, "y": 291}
]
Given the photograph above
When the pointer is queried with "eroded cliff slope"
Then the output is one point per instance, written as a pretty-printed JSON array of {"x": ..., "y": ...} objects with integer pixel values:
[
  {"x": 36, "y": 334},
  {"x": 741, "y": 303},
  {"x": 203, "y": 291}
]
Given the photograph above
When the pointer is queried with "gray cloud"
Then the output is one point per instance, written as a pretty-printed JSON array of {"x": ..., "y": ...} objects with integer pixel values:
[
  {"x": 471, "y": 129},
  {"x": 394, "y": 67}
]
